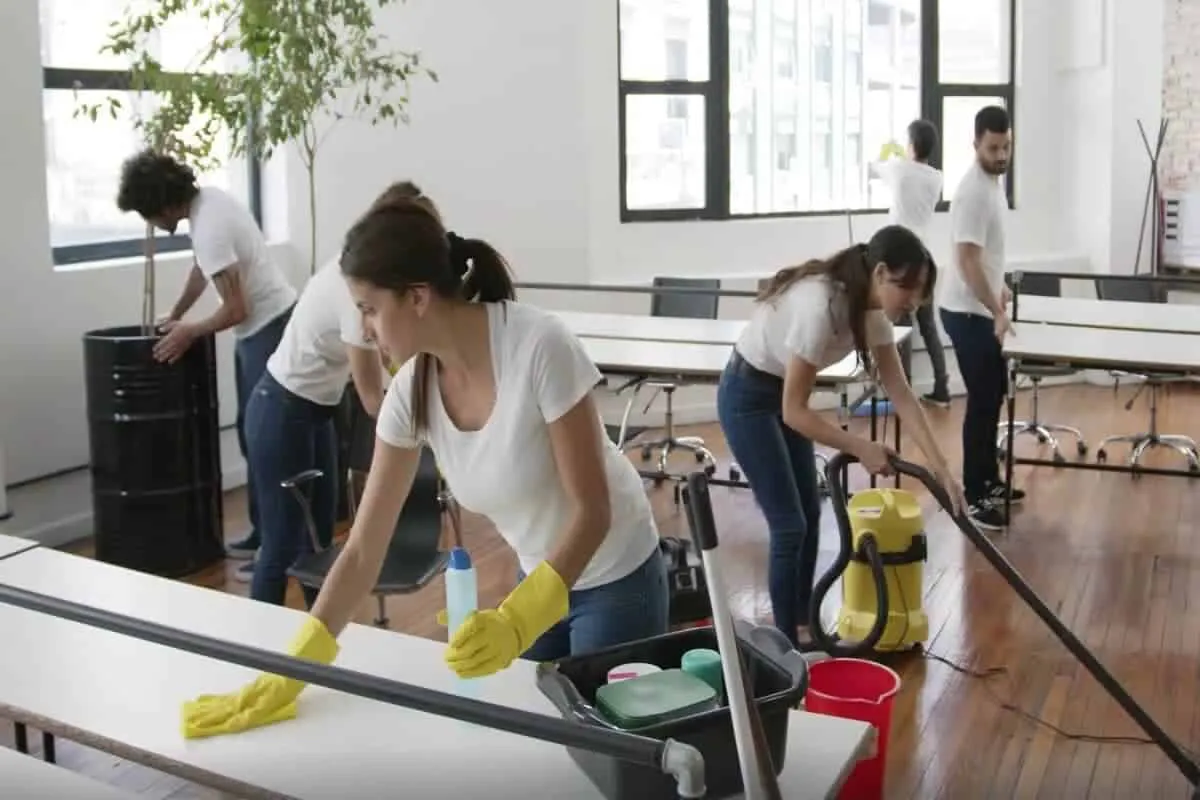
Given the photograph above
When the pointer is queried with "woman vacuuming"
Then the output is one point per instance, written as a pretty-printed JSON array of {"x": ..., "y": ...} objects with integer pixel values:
[
  {"x": 501, "y": 394},
  {"x": 808, "y": 318}
]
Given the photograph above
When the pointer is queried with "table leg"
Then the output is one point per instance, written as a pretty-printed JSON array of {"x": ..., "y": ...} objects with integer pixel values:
[
  {"x": 48, "y": 754},
  {"x": 1011, "y": 444},
  {"x": 21, "y": 737},
  {"x": 874, "y": 424}
]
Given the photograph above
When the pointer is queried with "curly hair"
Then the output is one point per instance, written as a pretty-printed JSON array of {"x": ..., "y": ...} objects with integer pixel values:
[{"x": 152, "y": 183}]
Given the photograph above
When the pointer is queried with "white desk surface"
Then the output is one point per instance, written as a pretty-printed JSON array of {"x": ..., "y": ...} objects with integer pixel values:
[
  {"x": 698, "y": 361},
  {"x": 11, "y": 545},
  {"x": 1120, "y": 314},
  {"x": 661, "y": 329},
  {"x": 24, "y": 777},
  {"x": 1105, "y": 347},
  {"x": 123, "y": 695}
]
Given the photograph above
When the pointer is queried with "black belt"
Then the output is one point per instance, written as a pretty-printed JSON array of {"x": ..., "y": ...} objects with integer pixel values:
[{"x": 740, "y": 366}]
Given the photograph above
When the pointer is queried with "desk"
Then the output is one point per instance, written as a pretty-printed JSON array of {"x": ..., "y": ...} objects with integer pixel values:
[
  {"x": 11, "y": 545},
  {"x": 26, "y": 778},
  {"x": 1120, "y": 314},
  {"x": 122, "y": 695},
  {"x": 661, "y": 329},
  {"x": 1095, "y": 348}
]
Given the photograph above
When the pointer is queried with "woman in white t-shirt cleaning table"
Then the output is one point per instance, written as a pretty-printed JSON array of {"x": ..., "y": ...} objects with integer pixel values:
[
  {"x": 807, "y": 318},
  {"x": 501, "y": 393}
]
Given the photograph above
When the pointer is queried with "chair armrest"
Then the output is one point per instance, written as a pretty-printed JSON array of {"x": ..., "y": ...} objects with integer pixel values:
[{"x": 301, "y": 478}]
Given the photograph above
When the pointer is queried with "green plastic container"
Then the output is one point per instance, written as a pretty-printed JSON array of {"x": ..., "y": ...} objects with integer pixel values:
[{"x": 654, "y": 699}]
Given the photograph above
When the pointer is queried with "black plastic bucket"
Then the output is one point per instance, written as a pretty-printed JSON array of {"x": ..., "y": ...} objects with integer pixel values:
[{"x": 155, "y": 453}]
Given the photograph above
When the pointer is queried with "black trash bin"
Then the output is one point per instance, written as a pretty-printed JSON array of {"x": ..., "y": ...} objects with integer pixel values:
[{"x": 155, "y": 445}]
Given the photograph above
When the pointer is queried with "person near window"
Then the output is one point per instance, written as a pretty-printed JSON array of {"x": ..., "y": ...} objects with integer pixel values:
[
  {"x": 228, "y": 249},
  {"x": 915, "y": 187},
  {"x": 807, "y": 318},
  {"x": 973, "y": 306},
  {"x": 501, "y": 394}
]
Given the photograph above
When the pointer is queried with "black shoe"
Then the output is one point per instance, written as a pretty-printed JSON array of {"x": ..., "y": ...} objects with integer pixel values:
[
  {"x": 938, "y": 397},
  {"x": 244, "y": 548},
  {"x": 989, "y": 516},
  {"x": 996, "y": 493}
]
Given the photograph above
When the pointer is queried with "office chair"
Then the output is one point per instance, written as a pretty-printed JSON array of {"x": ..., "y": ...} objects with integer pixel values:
[
  {"x": 1144, "y": 292},
  {"x": 413, "y": 557},
  {"x": 1032, "y": 283},
  {"x": 691, "y": 305}
]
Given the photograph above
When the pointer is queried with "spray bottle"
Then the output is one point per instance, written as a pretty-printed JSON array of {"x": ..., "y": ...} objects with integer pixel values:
[{"x": 461, "y": 589}]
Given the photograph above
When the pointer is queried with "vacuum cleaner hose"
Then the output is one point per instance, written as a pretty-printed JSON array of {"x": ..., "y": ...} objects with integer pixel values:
[{"x": 831, "y": 643}]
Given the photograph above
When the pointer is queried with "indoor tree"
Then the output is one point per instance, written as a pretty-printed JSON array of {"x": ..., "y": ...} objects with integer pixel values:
[{"x": 270, "y": 72}]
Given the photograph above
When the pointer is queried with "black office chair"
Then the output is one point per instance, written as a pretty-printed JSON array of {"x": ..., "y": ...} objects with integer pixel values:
[
  {"x": 1033, "y": 283},
  {"x": 414, "y": 557},
  {"x": 1144, "y": 291},
  {"x": 691, "y": 305}
]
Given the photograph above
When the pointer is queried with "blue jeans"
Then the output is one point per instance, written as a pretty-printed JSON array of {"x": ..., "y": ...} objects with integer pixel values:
[
  {"x": 981, "y": 362},
  {"x": 780, "y": 466},
  {"x": 250, "y": 357},
  {"x": 631, "y": 608},
  {"x": 287, "y": 435}
]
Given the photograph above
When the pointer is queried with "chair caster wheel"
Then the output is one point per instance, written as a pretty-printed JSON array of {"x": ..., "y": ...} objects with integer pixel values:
[
  {"x": 1101, "y": 457},
  {"x": 646, "y": 453},
  {"x": 1081, "y": 448},
  {"x": 710, "y": 469},
  {"x": 734, "y": 475},
  {"x": 1059, "y": 458},
  {"x": 699, "y": 458},
  {"x": 1042, "y": 439}
]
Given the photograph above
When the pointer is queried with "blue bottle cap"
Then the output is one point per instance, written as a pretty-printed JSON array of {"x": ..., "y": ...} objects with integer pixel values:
[{"x": 459, "y": 559}]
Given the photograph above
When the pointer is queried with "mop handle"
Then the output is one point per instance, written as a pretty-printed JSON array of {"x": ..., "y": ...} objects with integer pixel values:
[{"x": 758, "y": 778}]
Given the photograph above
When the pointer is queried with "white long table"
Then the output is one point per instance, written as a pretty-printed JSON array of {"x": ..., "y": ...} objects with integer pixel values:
[
  {"x": 24, "y": 777},
  {"x": 11, "y": 545},
  {"x": 123, "y": 695},
  {"x": 1119, "y": 314},
  {"x": 656, "y": 329}
]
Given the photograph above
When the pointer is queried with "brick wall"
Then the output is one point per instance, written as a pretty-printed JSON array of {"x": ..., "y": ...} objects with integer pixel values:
[{"x": 1180, "y": 161}]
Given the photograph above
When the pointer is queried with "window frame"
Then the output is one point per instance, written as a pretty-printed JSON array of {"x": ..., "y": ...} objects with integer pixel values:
[
  {"x": 715, "y": 92},
  {"x": 69, "y": 79}
]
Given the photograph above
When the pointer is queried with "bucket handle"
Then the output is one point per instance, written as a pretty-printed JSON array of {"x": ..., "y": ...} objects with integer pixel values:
[{"x": 561, "y": 692}]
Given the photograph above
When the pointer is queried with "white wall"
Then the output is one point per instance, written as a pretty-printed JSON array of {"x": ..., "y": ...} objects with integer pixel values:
[{"x": 518, "y": 143}]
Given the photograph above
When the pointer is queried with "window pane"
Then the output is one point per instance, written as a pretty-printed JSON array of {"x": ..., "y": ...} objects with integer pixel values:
[
  {"x": 664, "y": 152},
  {"x": 958, "y": 137},
  {"x": 664, "y": 40},
  {"x": 813, "y": 97},
  {"x": 72, "y": 33},
  {"x": 974, "y": 41},
  {"x": 83, "y": 165}
]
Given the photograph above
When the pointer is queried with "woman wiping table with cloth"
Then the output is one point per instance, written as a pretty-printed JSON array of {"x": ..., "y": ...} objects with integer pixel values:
[{"x": 501, "y": 393}]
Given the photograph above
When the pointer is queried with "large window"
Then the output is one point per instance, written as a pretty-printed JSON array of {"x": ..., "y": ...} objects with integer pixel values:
[
  {"x": 83, "y": 158},
  {"x": 743, "y": 108}
]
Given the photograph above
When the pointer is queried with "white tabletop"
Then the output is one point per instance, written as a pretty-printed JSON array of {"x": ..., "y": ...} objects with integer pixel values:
[
  {"x": 24, "y": 777},
  {"x": 1105, "y": 347},
  {"x": 1161, "y": 317},
  {"x": 11, "y": 545},
  {"x": 122, "y": 694},
  {"x": 661, "y": 329}
]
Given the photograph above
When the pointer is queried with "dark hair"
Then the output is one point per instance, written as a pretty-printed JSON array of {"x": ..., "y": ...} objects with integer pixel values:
[
  {"x": 400, "y": 243},
  {"x": 898, "y": 248},
  {"x": 152, "y": 183},
  {"x": 923, "y": 137},
  {"x": 991, "y": 119}
]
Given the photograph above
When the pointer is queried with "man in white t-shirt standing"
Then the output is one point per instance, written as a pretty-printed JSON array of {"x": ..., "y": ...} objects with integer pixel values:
[
  {"x": 972, "y": 300},
  {"x": 915, "y": 187},
  {"x": 229, "y": 250}
]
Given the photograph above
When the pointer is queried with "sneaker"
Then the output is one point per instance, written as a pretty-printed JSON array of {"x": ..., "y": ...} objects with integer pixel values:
[
  {"x": 243, "y": 548},
  {"x": 996, "y": 493},
  {"x": 244, "y": 572},
  {"x": 986, "y": 514},
  {"x": 938, "y": 397}
]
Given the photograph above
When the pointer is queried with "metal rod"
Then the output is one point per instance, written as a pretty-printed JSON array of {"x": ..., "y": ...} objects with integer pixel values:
[
  {"x": 618, "y": 744},
  {"x": 1189, "y": 768},
  {"x": 635, "y": 289}
]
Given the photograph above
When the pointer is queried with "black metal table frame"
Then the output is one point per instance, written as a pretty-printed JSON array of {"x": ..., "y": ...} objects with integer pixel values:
[{"x": 1014, "y": 366}]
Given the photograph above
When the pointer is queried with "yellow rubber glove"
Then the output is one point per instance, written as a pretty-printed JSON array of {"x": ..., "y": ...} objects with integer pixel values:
[
  {"x": 269, "y": 699},
  {"x": 488, "y": 641},
  {"x": 889, "y": 150}
]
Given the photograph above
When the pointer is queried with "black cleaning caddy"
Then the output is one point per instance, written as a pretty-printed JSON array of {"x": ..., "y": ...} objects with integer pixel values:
[{"x": 775, "y": 675}]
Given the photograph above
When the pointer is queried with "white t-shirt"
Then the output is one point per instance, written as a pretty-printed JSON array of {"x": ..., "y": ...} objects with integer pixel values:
[
  {"x": 977, "y": 215},
  {"x": 915, "y": 189},
  {"x": 224, "y": 234},
  {"x": 506, "y": 470},
  {"x": 311, "y": 360},
  {"x": 810, "y": 320}
]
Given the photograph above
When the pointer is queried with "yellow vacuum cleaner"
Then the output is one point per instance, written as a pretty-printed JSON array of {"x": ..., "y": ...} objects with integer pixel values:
[{"x": 881, "y": 564}]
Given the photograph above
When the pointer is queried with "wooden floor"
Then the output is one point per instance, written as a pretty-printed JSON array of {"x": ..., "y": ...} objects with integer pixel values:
[{"x": 1114, "y": 557}]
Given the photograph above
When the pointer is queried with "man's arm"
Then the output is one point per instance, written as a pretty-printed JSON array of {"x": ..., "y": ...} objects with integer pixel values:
[
  {"x": 366, "y": 369},
  {"x": 234, "y": 308},
  {"x": 193, "y": 289}
]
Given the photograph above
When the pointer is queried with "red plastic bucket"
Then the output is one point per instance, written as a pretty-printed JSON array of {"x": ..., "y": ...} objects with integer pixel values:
[{"x": 852, "y": 688}]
